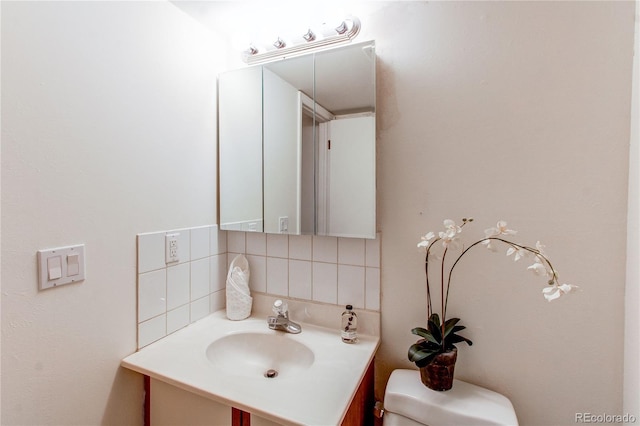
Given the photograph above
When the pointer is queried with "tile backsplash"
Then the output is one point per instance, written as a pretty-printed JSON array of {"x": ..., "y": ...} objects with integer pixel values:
[
  {"x": 322, "y": 269},
  {"x": 171, "y": 296},
  {"x": 329, "y": 270}
]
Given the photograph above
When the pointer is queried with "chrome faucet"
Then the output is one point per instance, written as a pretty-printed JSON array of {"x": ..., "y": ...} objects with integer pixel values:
[{"x": 281, "y": 321}]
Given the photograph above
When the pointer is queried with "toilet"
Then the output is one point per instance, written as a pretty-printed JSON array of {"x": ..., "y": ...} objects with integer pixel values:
[{"x": 408, "y": 402}]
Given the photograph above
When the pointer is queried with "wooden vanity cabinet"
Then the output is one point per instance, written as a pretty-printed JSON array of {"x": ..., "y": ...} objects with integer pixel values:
[
  {"x": 361, "y": 409},
  {"x": 168, "y": 405}
]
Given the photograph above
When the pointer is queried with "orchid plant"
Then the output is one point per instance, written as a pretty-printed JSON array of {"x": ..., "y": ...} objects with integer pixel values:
[{"x": 441, "y": 336}]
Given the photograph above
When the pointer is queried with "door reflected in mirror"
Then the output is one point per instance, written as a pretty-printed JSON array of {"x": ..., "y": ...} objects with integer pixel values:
[{"x": 297, "y": 145}]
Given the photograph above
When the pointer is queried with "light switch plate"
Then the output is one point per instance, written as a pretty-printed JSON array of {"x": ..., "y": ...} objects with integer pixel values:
[{"x": 61, "y": 265}]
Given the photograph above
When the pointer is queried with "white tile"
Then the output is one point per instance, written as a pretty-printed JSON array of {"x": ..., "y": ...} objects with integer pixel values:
[
  {"x": 199, "y": 279},
  {"x": 277, "y": 276},
  {"x": 218, "y": 240},
  {"x": 256, "y": 243},
  {"x": 325, "y": 249},
  {"x": 236, "y": 241},
  {"x": 325, "y": 282},
  {"x": 150, "y": 252},
  {"x": 178, "y": 285},
  {"x": 152, "y": 294},
  {"x": 152, "y": 330},
  {"x": 217, "y": 272},
  {"x": 177, "y": 318},
  {"x": 300, "y": 247},
  {"x": 300, "y": 279},
  {"x": 372, "y": 252},
  {"x": 199, "y": 309},
  {"x": 351, "y": 285},
  {"x": 200, "y": 242},
  {"x": 217, "y": 301},
  {"x": 258, "y": 273},
  {"x": 351, "y": 251},
  {"x": 372, "y": 289},
  {"x": 277, "y": 245}
]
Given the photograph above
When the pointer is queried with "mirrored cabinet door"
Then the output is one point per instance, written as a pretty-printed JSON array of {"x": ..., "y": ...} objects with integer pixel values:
[
  {"x": 297, "y": 145},
  {"x": 286, "y": 85},
  {"x": 346, "y": 158},
  {"x": 240, "y": 149}
]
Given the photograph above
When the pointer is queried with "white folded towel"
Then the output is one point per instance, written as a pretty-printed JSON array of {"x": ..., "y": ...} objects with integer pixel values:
[{"x": 239, "y": 300}]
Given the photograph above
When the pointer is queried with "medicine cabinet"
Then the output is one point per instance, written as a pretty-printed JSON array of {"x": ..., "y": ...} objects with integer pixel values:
[{"x": 297, "y": 151}]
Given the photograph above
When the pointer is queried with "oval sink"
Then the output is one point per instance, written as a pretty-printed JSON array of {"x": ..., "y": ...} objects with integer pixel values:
[{"x": 260, "y": 354}]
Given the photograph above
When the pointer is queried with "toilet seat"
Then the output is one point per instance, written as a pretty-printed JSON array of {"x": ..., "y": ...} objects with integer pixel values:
[{"x": 465, "y": 404}]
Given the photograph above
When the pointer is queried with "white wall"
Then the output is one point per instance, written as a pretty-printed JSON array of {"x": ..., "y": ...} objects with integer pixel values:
[
  {"x": 632, "y": 291},
  {"x": 516, "y": 111},
  {"x": 108, "y": 130}
]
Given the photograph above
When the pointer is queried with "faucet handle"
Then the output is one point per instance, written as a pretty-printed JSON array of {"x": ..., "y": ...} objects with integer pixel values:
[{"x": 280, "y": 307}]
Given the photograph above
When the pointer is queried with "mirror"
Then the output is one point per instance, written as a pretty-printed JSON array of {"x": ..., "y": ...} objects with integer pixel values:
[{"x": 297, "y": 145}]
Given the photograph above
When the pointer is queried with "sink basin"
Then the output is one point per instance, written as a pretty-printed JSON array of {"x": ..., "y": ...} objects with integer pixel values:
[
  {"x": 225, "y": 361},
  {"x": 272, "y": 355}
]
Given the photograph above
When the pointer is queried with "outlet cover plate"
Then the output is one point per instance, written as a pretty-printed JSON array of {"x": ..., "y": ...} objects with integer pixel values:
[{"x": 172, "y": 249}]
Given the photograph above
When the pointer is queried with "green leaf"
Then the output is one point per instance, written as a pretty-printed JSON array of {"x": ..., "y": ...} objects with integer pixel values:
[
  {"x": 435, "y": 318},
  {"x": 421, "y": 356},
  {"x": 456, "y": 338},
  {"x": 416, "y": 353},
  {"x": 449, "y": 325},
  {"x": 426, "y": 334},
  {"x": 458, "y": 328},
  {"x": 420, "y": 331},
  {"x": 435, "y": 327}
]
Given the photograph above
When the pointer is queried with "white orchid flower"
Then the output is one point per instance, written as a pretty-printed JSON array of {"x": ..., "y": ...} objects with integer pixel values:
[
  {"x": 500, "y": 229},
  {"x": 489, "y": 246},
  {"x": 491, "y": 232},
  {"x": 451, "y": 227},
  {"x": 425, "y": 240},
  {"x": 539, "y": 269},
  {"x": 519, "y": 252},
  {"x": 555, "y": 291},
  {"x": 540, "y": 247},
  {"x": 448, "y": 236}
]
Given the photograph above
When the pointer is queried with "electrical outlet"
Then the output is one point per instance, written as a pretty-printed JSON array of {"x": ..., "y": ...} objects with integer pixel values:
[
  {"x": 284, "y": 223},
  {"x": 171, "y": 252}
]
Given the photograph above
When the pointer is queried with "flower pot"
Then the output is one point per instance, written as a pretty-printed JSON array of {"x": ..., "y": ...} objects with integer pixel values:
[{"x": 438, "y": 374}]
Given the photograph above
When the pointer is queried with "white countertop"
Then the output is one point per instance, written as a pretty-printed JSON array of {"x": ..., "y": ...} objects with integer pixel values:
[{"x": 319, "y": 395}]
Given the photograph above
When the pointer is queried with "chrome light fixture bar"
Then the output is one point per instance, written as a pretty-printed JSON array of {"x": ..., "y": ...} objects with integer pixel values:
[{"x": 345, "y": 32}]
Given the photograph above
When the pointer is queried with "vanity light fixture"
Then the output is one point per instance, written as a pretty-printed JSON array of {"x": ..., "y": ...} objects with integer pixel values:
[
  {"x": 309, "y": 36},
  {"x": 280, "y": 43},
  {"x": 342, "y": 28},
  {"x": 346, "y": 31}
]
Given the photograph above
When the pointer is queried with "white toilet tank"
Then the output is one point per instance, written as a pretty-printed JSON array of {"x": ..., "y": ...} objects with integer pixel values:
[{"x": 408, "y": 402}]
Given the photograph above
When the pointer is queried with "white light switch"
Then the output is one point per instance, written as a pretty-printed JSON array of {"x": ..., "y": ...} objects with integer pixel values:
[
  {"x": 54, "y": 268},
  {"x": 73, "y": 265},
  {"x": 62, "y": 265}
]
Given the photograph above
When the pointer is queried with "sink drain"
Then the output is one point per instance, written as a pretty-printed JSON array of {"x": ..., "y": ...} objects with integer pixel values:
[{"x": 270, "y": 374}]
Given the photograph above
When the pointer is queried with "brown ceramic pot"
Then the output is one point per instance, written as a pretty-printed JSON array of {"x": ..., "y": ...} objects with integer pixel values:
[{"x": 438, "y": 374}]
